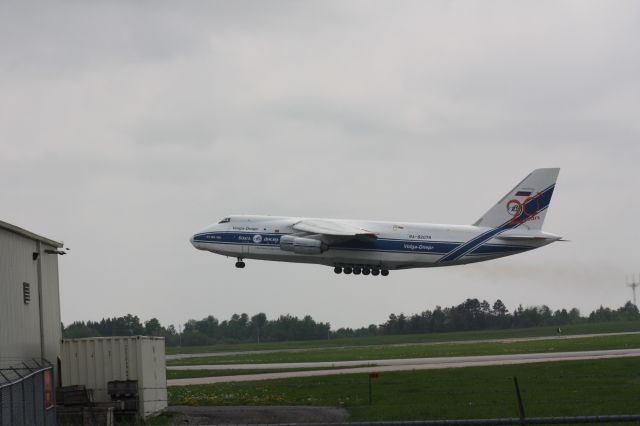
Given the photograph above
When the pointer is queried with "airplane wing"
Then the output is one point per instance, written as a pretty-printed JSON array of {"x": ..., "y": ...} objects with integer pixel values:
[{"x": 331, "y": 228}]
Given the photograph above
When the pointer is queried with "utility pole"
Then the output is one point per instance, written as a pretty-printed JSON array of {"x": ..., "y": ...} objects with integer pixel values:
[{"x": 634, "y": 284}]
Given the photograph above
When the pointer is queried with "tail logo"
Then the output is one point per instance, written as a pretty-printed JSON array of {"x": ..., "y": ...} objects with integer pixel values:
[
  {"x": 524, "y": 211},
  {"x": 514, "y": 208}
]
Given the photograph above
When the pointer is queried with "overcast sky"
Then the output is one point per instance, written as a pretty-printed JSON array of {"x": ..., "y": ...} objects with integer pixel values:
[{"x": 127, "y": 126}]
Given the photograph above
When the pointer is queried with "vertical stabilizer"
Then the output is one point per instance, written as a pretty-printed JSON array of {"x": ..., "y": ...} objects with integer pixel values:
[{"x": 525, "y": 205}]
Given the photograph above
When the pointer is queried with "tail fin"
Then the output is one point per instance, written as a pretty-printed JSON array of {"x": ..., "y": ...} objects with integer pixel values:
[{"x": 526, "y": 204}]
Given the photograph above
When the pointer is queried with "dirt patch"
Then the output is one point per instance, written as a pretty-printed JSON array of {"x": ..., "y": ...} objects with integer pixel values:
[{"x": 187, "y": 415}]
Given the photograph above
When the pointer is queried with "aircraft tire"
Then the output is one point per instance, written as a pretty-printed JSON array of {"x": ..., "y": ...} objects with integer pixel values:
[
  {"x": 366, "y": 271},
  {"x": 357, "y": 270},
  {"x": 337, "y": 270},
  {"x": 240, "y": 264},
  {"x": 347, "y": 270},
  {"x": 384, "y": 272},
  {"x": 375, "y": 272}
]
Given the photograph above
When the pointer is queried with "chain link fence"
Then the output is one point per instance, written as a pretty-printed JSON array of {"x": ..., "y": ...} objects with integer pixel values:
[{"x": 27, "y": 394}]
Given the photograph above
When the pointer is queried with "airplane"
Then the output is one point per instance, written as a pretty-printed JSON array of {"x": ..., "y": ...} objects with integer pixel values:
[{"x": 513, "y": 225}]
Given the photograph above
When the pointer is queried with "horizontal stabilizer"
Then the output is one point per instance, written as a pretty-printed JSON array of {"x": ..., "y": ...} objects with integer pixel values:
[
  {"x": 527, "y": 237},
  {"x": 522, "y": 237}
]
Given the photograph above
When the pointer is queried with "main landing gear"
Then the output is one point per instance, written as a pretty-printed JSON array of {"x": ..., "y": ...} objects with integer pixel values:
[
  {"x": 364, "y": 270},
  {"x": 240, "y": 264}
]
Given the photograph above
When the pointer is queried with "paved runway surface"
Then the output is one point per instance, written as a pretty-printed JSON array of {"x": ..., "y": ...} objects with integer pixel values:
[
  {"x": 400, "y": 365},
  {"x": 454, "y": 342}
]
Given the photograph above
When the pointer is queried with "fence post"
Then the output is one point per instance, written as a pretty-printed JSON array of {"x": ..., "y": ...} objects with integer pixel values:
[
  {"x": 520, "y": 404},
  {"x": 11, "y": 403},
  {"x": 24, "y": 402}
]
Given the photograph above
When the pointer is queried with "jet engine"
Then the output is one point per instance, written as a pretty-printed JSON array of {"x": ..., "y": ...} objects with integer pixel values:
[{"x": 301, "y": 245}]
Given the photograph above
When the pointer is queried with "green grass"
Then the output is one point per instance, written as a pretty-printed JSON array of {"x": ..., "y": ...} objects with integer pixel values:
[
  {"x": 598, "y": 387},
  {"x": 588, "y": 328},
  {"x": 423, "y": 351},
  {"x": 189, "y": 374}
]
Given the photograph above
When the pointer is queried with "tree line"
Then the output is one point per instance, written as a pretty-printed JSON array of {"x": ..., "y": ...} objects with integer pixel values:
[
  {"x": 472, "y": 314},
  {"x": 209, "y": 330}
]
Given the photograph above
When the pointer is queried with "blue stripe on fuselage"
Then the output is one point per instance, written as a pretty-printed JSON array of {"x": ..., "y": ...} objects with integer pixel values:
[
  {"x": 376, "y": 245},
  {"x": 393, "y": 245},
  {"x": 381, "y": 244},
  {"x": 531, "y": 208},
  {"x": 267, "y": 239}
]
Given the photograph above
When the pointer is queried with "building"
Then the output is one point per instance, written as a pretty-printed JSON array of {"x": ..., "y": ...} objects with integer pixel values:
[
  {"x": 29, "y": 297},
  {"x": 128, "y": 369},
  {"x": 30, "y": 328}
]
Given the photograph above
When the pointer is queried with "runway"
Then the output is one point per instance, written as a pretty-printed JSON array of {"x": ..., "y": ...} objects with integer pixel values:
[{"x": 387, "y": 365}]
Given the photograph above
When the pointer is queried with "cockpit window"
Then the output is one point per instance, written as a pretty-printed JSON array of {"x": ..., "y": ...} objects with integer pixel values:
[{"x": 225, "y": 220}]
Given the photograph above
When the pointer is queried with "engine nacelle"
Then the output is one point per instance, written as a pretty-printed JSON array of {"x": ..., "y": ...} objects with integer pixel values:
[{"x": 301, "y": 245}]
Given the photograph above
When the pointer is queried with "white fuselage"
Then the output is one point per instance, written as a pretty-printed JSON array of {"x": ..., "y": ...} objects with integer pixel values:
[{"x": 396, "y": 245}]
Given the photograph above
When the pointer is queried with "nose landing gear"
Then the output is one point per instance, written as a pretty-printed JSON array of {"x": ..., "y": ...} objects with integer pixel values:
[{"x": 240, "y": 264}]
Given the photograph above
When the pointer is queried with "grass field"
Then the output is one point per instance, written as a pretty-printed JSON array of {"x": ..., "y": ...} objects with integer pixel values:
[
  {"x": 611, "y": 327},
  {"x": 188, "y": 374},
  {"x": 423, "y": 351},
  {"x": 600, "y": 387}
]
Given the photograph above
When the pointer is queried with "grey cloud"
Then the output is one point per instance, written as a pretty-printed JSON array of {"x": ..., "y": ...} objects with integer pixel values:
[{"x": 135, "y": 124}]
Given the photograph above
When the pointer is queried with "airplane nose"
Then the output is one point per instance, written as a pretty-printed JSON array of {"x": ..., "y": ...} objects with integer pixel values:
[{"x": 191, "y": 240}]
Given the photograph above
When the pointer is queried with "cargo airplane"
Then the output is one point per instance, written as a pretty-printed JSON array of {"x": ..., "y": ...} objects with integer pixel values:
[{"x": 513, "y": 225}]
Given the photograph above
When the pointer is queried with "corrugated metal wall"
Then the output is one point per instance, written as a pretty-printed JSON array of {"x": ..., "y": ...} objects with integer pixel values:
[
  {"x": 20, "y": 323},
  {"x": 93, "y": 362},
  {"x": 50, "y": 306}
]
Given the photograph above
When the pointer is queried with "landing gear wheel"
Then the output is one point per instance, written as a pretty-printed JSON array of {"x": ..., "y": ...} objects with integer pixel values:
[
  {"x": 337, "y": 270},
  {"x": 384, "y": 272},
  {"x": 240, "y": 264},
  {"x": 366, "y": 271},
  {"x": 375, "y": 272},
  {"x": 347, "y": 270},
  {"x": 356, "y": 271}
]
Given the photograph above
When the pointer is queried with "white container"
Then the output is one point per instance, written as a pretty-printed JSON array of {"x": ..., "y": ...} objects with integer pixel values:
[{"x": 95, "y": 361}]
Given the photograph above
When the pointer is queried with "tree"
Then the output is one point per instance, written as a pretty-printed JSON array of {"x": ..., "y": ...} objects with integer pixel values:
[
  {"x": 258, "y": 321},
  {"x": 499, "y": 309},
  {"x": 79, "y": 330},
  {"x": 574, "y": 315},
  {"x": 153, "y": 327},
  {"x": 628, "y": 312},
  {"x": 194, "y": 338},
  {"x": 438, "y": 320}
]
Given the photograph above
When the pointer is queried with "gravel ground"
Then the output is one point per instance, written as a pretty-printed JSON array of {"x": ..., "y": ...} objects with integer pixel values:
[{"x": 207, "y": 415}]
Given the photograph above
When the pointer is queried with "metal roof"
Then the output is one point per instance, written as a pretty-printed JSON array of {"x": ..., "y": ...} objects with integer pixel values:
[{"x": 29, "y": 234}]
